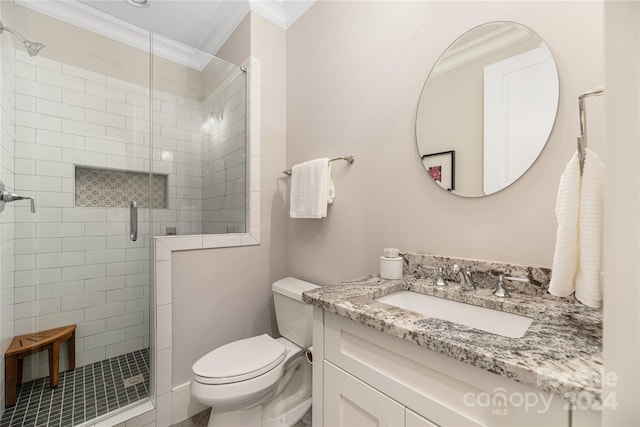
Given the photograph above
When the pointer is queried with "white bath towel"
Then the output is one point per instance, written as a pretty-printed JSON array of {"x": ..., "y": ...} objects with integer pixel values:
[
  {"x": 588, "y": 286},
  {"x": 566, "y": 256},
  {"x": 311, "y": 189}
]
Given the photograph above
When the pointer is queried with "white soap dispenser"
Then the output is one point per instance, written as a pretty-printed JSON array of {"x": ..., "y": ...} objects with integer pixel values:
[{"x": 391, "y": 264}]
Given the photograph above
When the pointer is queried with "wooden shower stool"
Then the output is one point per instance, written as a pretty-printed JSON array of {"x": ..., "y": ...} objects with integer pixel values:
[{"x": 24, "y": 345}]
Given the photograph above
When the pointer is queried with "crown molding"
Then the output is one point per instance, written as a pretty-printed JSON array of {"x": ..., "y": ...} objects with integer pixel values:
[
  {"x": 226, "y": 20},
  {"x": 461, "y": 53},
  {"x": 230, "y": 14},
  {"x": 293, "y": 10},
  {"x": 281, "y": 12},
  {"x": 91, "y": 19}
]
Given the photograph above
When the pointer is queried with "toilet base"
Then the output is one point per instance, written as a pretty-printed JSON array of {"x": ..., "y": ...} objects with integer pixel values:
[
  {"x": 290, "y": 418},
  {"x": 241, "y": 418},
  {"x": 256, "y": 417}
]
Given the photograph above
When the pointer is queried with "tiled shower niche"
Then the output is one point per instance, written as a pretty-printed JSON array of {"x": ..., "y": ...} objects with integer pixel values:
[{"x": 107, "y": 188}]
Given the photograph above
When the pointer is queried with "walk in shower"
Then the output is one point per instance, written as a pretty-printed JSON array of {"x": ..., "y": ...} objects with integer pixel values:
[{"x": 92, "y": 127}]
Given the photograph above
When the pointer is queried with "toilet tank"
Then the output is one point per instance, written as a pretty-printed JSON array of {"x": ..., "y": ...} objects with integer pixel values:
[{"x": 294, "y": 317}]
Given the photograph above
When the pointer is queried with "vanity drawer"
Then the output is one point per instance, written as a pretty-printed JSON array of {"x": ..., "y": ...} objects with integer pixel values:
[
  {"x": 446, "y": 391},
  {"x": 350, "y": 402}
]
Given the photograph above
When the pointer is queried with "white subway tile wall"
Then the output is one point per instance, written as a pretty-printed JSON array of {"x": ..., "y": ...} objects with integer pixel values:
[
  {"x": 76, "y": 264},
  {"x": 224, "y": 172}
]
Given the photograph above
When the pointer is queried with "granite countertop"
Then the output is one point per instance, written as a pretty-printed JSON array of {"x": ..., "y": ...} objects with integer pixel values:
[{"x": 560, "y": 353}]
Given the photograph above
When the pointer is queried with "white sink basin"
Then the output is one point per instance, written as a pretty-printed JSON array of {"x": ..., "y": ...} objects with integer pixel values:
[{"x": 493, "y": 321}]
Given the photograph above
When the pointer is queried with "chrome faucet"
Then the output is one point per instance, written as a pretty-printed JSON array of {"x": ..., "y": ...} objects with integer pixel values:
[{"x": 464, "y": 276}]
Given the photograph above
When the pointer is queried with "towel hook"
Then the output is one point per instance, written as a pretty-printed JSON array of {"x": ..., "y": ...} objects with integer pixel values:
[{"x": 582, "y": 139}]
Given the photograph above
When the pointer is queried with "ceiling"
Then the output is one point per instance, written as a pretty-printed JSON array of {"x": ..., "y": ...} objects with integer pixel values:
[
  {"x": 194, "y": 23},
  {"x": 188, "y": 25}
]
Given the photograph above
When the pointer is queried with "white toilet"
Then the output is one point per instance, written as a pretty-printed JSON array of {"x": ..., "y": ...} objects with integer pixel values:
[{"x": 261, "y": 381}]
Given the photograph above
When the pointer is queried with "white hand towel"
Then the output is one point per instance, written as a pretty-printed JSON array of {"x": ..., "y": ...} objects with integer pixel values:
[
  {"x": 566, "y": 256},
  {"x": 588, "y": 288},
  {"x": 332, "y": 189},
  {"x": 310, "y": 189}
]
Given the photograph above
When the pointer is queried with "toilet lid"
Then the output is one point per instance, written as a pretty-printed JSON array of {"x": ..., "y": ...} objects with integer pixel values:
[{"x": 240, "y": 360}]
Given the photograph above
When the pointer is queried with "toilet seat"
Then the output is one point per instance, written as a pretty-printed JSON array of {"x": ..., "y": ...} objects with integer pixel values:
[
  {"x": 248, "y": 392},
  {"x": 239, "y": 361}
]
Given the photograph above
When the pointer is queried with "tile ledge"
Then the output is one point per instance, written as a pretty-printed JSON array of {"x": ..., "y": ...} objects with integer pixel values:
[{"x": 208, "y": 241}]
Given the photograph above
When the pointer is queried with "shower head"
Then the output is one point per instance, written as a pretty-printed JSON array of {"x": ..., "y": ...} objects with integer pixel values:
[{"x": 32, "y": 47}]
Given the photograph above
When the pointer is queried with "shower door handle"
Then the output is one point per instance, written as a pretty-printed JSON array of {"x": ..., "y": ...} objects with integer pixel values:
[{"x": 133, "y": 220}]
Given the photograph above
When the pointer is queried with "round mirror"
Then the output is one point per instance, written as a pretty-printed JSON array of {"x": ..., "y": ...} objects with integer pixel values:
[{"x": 487, "y": 109}]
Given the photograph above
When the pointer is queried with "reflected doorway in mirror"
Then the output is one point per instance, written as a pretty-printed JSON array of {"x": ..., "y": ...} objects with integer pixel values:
[{"x": 442, "y": 168}]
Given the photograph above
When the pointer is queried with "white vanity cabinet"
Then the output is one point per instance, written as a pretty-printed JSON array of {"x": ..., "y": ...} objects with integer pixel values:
[
  {"x": 365, "y": 377},
  {"x": 350, "y": 402}
]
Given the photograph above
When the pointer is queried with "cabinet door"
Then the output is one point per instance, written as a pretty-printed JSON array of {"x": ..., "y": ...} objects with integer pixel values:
[
  {"x": 348, "y": 402},
  {"x": 414, "y": 420}
]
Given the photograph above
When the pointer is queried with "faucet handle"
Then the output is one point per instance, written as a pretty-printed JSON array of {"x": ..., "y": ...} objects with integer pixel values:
[
  {"x": 517, "y": 279},
  {"x": 501, "y": 290},
  {"x": 440, "y": 281}
]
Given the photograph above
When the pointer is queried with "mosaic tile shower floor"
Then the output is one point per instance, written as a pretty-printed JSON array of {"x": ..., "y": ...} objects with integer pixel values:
[{"x": 85, "y": 393}]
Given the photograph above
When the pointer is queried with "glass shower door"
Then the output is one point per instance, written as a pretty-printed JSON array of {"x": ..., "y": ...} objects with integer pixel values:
[
  {"x": 199, "y": 142},
  {"x": 75, "y": 137}
]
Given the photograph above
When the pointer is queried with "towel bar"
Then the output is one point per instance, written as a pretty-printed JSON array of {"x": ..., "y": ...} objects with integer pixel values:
[
  {"x": 582, "y": 139},
  {"x": 349, "y": 159}
]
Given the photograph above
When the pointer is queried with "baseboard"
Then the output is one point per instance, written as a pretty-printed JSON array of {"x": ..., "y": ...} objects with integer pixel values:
[{"x": 183, "y": 405}]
